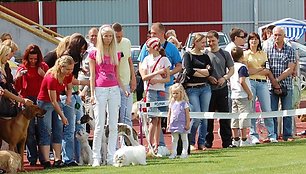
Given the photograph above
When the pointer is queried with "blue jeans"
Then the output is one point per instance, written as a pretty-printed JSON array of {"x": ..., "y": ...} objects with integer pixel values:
[
  {"x": 50, "y": 126},
  {"x": 153, "y": 96},
  {"x": 125, "y": 112},
  {"x": 261, "y": 91},
  {"x": 286, "y": 104},
  {"x": 78, "y": 114},
  {"x": 32, "y": 139},
  {"x": 69, "y": 140},
  {"x": 161, "y": 135},
  {"x": 199, "y": 98},
  {"x": 32, "y": 152}
]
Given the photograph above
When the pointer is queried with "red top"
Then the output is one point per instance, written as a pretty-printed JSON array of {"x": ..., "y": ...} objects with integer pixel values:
[
  {"x": 50, "y": 83},
  {"x": 29, "y": 83}
]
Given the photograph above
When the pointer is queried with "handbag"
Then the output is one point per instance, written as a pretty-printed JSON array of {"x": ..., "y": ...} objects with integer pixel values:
[
  {"x": 284, "y": 91},
  {"x": 8, "y": 108},
  {"x": 182, "y": 76}
]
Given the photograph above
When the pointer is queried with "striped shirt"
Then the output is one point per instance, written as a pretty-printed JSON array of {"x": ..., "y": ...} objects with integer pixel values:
[{"x": 279, "y": 61}]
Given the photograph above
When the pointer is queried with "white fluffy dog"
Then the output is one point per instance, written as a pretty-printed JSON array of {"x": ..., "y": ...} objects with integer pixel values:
[
  {"x": 86, "y": 152},
  {"x": 130, "y": 154}
]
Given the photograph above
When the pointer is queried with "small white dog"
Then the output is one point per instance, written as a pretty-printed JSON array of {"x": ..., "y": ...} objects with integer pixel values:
[
  {"x": 86, "y": 152},
  {"x": 130, "y": 154}
]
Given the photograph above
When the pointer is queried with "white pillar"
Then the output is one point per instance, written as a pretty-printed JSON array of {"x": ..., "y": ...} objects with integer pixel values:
[
  {"x": 149, "y": 14},
  {"x": 40, "y": 13},
  {"x": 256, "y": 16}
]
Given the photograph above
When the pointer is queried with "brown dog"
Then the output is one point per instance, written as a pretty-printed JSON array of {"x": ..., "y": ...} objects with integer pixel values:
[
  {"x": 14, "y": 131},
  {"x": 9, "y": 161}
]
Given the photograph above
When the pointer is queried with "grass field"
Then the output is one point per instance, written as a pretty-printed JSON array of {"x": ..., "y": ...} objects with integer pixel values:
[{"x": 283, "y": 157}]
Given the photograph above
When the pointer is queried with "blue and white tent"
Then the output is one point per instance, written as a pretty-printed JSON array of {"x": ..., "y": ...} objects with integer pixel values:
[{"x": 294, "y": 29}]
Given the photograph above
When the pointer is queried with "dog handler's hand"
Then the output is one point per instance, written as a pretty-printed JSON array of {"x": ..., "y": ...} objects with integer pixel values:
[
  {"x": 28, "y": 102},
  {"x": 68, "y": 101},
  {"x": 64, "y": 121},
  {"x": 92, "y": 100}
]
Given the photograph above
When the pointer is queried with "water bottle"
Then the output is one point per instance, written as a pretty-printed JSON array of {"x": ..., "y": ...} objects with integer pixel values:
[{"x": 267, "y": 65}]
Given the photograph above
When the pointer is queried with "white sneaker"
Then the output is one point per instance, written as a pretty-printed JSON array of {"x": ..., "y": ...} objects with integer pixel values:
[
  {"x": 172, "y": 156},
  {"x": 236, "y": 143},
  {"x": 244, "y": 143},
  {"x": 255, "y": 141},
  {"x": 273, "y": 140},
  {"x": 192, "y": 148},
  {"x": 96, "y": 163},
  {"x": 183, "y": 156}
]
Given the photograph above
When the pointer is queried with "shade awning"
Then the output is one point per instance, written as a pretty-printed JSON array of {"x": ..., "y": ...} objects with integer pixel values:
[{"x": 294, "y": 29}]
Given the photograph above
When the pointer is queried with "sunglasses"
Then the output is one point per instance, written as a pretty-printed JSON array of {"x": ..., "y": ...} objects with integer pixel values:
[{"x": 242, "y": 37}]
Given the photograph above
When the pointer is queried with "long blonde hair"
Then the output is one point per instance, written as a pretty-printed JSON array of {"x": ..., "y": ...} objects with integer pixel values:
[
  {"x": 179, "y": 87},
  {"x": 63, "y": 61},
  {"x": 100, "y": 46},
  {"x": 62, "y": 46},
  {"x": 4, "y": 51}
]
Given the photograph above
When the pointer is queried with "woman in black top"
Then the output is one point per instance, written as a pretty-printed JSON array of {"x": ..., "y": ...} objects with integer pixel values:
[
  {"x": 73, "y": 110},
  {"x": 51, "y": 56},
  {"x": 198, "y": 68}
]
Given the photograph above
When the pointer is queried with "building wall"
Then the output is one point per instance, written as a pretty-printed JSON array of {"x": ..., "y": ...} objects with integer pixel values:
[
  {"x": 23, "y": 9},
  {"x": 183, "y": 16},
  {"x": 240, "y": 13},
  {"x": 23, "y": 38},
  {"x": 80, "y": 16},
  {"x": 181, "y": 11}
]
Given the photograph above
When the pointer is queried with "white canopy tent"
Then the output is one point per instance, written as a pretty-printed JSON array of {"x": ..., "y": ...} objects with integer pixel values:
[{"x": 294, "y": 29}]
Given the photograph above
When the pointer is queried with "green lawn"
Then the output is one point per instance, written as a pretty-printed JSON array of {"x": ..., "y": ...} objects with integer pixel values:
[{"x": 285, "y": 157}]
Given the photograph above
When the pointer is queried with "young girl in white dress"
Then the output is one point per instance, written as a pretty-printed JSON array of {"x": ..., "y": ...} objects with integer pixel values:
[{"x": 178, "y": 118}]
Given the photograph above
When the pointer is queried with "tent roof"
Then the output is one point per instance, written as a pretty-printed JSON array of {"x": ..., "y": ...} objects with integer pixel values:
[{"x": 294, "y": 29}]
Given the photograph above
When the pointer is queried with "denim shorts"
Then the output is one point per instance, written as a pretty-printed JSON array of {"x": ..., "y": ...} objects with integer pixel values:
[
  {"x": 154, "y": 96},
  {"x": 50, "y": 126}
]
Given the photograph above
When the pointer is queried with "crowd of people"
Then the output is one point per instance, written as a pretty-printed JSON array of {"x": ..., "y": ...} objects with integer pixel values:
[
  {"x": 233, "y": 79},
  {"x": 100, "y": 71}
]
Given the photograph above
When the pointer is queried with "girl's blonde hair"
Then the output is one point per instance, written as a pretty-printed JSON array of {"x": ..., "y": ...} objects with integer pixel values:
[
  {"x": 179, "y": 87},
  {"x": 100, "y": 46},
  {"x": 4, "y": 51},
  {"x": 197, "y": 38},
  {"x": 63, "y": 61},
  {"x": 11, "y": 44},
  {"x": 62, "y": 46}
]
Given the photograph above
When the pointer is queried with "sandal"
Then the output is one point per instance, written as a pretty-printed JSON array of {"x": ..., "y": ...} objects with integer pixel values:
[{"x": 155, "y": 148}]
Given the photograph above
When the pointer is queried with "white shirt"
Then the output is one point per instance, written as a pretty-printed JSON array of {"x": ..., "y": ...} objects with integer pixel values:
[{"x": 148, "y": 65}]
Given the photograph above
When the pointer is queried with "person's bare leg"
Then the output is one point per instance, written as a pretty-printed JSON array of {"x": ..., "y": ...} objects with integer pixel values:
[
  {"x": 243, "y": 133},
  {"x": 152, "y": 129},
  {"x": 45, "y": 152},
  {"x": 157, "y": 132},
  {"x": 57, "y": 149},
  {"x": 235, "y": 132}
]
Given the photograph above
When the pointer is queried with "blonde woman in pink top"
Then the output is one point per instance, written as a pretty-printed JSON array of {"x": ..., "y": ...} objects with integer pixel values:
[{"x": 105, "y": 91}]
